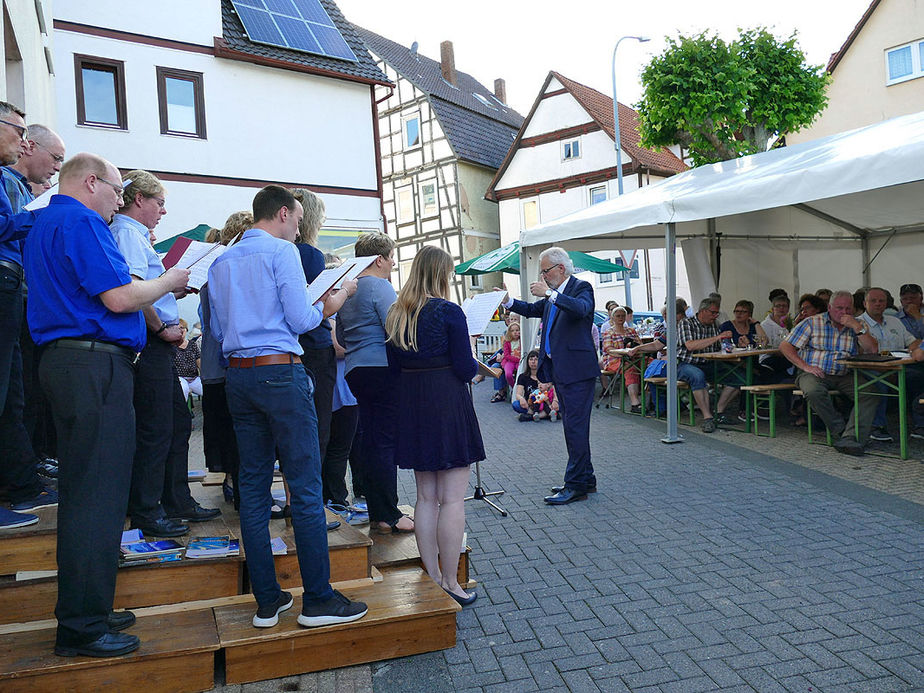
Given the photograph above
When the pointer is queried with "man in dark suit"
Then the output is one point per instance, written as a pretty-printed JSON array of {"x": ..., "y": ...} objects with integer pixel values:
[{"x": 567, "y": 359}]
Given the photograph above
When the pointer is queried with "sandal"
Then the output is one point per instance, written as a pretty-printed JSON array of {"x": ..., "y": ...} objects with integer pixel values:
[
  {"x": 498, "y": 397},
  {"x": 385, "y": 528}
]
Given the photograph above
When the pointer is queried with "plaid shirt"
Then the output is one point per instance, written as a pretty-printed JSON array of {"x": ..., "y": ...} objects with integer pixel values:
[
  {"x": 690, "y": 329},
  {"x": 822, "y": 343}
]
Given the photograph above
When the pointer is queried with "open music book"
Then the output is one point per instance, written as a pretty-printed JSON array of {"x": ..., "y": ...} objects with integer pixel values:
[
  {"x": 334, "y": 278},
  {"x": 195, "y": 256},
  {"x": 479, "y": 310}
]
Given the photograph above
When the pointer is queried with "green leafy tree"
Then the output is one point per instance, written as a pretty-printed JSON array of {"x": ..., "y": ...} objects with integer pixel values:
[{"x": 723, "y": 100}]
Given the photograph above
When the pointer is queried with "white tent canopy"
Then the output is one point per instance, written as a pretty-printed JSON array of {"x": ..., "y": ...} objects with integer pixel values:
[{"x": 837, "y": 212}]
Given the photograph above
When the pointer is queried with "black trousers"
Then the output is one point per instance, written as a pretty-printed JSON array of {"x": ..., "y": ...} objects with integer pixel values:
[
  {"x": 36, "y": 416},
  {"x": 17, "y": 459},
  {"x": 357, "y": 473},
  {"x": 91, "y": 400},
  {"x": 334, "y": 463},
  {"x": 321, "y": 366},
  {"x": 218, "y": 439},
  {"x": 160, "y": 483},
  {"x": 374, "y": 389}
]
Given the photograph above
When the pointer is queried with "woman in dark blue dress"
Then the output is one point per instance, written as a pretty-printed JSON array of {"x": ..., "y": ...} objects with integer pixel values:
[{"x": 438, "y": 434}]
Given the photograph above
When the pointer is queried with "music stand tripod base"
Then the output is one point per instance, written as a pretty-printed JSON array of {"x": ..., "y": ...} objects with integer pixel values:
[{"x": 482, "y": 495}]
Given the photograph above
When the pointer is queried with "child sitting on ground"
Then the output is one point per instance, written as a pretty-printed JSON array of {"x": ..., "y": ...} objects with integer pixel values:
[{"x": 543, "y": 404}]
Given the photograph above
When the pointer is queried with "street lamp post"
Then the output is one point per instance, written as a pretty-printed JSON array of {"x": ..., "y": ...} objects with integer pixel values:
[{"x": 616, "y": 143}]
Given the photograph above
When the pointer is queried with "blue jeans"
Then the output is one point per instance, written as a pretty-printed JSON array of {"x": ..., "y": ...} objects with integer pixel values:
[
  {"x": 692, "y": 375},
  {"x": 272, "y": 409}
]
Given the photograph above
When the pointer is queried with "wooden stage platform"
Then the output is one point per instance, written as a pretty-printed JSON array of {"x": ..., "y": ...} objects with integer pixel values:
[{"x": 193, "y": 614}]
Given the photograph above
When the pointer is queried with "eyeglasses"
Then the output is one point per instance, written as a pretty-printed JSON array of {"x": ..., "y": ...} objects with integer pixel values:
[
  {"x": 714, "y": 312},
  {"x": 118, "y": 188},
  {"x": 22, "y": 130},
  {"x": 56, "y": 157},
  {"x": 161, "y": 202},
  {"x": 910, "y": 289},
  {"x": 544, "y": 272}
]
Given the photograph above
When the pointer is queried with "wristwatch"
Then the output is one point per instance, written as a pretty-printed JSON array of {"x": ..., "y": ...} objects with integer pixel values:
[
  {"x": 863, "y": 330},
  {"x": 548, "y": 292},
  {"x": 163, "y": 326}
]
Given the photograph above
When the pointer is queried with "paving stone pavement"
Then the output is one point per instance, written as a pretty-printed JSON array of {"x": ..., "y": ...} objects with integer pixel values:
[{"x": 705, "y": 566}]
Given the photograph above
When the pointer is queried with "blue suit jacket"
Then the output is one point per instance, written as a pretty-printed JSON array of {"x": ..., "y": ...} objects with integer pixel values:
[{"x": 570, "y": 339}]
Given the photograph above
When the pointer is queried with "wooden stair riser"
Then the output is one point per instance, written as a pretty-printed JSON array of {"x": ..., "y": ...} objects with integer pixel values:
[
  {"x": 28, "y": 552},
  {"x": 338, "y": 648},
  {"x": 180, "y": 674},
  {"x": 348, "y": 563}
]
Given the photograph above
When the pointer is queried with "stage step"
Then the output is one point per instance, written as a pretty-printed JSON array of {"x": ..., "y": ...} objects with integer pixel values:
[
  {"x": 175, "y": 581},
  {"x": 408, "y": 614},
  {"x": 176, "y": 654},
  {"x": 400, "y": 550}
]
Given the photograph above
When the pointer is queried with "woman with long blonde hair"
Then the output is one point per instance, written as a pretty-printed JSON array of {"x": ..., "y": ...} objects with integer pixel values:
[{"x": 438, "y": 434}]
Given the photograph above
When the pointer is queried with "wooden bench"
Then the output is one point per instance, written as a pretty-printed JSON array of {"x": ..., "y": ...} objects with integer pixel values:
[
  {"x": 659, "y": 385},
  {"x": 765, "y": 394},
  {"x": 829, "y": 440}
]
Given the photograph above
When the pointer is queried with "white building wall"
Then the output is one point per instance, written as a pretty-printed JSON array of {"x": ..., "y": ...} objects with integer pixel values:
[
  {"x": 27, "y": 80},
  {"x": 196, "y": 21}
]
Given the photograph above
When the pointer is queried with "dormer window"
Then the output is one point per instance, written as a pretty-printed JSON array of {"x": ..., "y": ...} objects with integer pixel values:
[{"x": 571, "y": 150}]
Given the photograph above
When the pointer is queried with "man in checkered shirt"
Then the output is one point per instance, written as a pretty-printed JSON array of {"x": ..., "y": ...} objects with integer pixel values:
[
  {"x": 817, "y": 347},
  {"x": 698, "y": 335}
]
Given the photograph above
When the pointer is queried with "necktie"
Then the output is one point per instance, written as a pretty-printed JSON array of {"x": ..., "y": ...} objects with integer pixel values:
[{"x": 548, "y": 328}]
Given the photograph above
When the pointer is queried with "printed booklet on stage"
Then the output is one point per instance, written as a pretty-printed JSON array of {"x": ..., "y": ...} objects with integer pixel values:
[
  {"x": 208, "y": 547},
  {"x": 146, "y": 549}
]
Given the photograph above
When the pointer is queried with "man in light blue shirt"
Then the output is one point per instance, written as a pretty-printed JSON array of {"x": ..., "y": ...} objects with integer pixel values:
[
  {"x": 160, "y": 501},
  {"x": 259, "y": 306}
]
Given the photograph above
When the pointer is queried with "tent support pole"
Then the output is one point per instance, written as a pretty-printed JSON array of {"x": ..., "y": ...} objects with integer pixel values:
[
  {"x": 670, "y": 274},
  {"x": 864, "y": 248}
]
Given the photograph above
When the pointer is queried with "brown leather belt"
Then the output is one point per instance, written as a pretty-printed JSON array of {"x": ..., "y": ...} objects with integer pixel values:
[{"x": 267, "y": 360}]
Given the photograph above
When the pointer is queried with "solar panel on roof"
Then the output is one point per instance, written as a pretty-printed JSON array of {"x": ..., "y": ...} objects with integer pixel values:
[{"x": 302, "y": 25}]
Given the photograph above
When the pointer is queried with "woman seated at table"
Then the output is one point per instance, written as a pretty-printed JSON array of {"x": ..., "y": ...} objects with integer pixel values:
[
  {"x": 746, "y": 332},
  {"x": 618, "y": 336},
  {"x": 809, "y": 305}
]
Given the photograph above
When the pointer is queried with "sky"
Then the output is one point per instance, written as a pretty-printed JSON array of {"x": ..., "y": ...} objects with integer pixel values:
[{"x": 521, "y": 40}]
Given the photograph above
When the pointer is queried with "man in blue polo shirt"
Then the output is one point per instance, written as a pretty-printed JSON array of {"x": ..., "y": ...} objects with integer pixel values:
[
  {"x": 259, "y": 306},
  {"x": 17, "y": 468},
  {"x": 85, "y": 311}
]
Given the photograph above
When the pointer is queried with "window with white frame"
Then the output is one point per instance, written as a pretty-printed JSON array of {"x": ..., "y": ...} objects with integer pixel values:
[
  {"x": 604, "y": 278},
  {"x": 571, "y": 149},
  {"x": 411, "y": 130},
  {"x": 404, "y": 201},
  {"x": 530, "y": 213},
  {"x": 905, "y": 62},
  {"x": 428, "y": 204},
  {"x": 476, "y": 281},
  {"x": 597, "y": 195}
]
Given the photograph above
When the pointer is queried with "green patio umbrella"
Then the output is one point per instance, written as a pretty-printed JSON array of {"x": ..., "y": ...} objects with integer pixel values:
[
  {"x": 196, "y": 234},
  {"x": 507, "y": 259}
]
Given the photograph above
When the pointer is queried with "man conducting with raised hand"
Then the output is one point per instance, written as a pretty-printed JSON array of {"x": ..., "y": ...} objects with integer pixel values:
[
  {"x": 568, "y": 359},
  {"x": 259, "y": 306},
  {"x": 85, "y": 312}
]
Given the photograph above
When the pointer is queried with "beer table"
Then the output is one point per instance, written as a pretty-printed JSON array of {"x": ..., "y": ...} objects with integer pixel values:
[
  {"x": 730, "y": 365},
  {"x": 629, "y": 363},
  {"x": 878, "y": 373}
]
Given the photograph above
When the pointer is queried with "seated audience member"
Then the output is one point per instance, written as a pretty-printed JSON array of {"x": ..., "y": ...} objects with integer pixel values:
[
  {"x": 809, "y": 305},
  {"x": 658, "y": 344},
  {"x": 609, "y": 311},
  {"x": 746, "y": 332},
  {"x": 543, "y": 403},
  {"x": 620, "y": 337},
  {"x": 891, "y": 335},
  {"x": 777, "y": 324},
  {"x": 775, "y": 367},
  {"x": 500, "y": 382},
  {"x": 186, "y": 357},
  {"x": 911, "y": 298},
  {"x": 824, "y": 295},
  {"x": 859, "y": 302},
  {"x": 510, "y": 347},
  {"x": 699, "y": 334},
  {"x": 817, "y": 347},
  {"x": 722, "y": 317},
  {"x": 630, "y": 316},
  {"x": 527, "y": 383}
]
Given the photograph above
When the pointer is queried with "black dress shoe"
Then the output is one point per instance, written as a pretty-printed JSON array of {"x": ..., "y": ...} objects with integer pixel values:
[
  {"x": 163, "y": 527},
  {"x": 120, "y": 620},
  {"x": 559, "y": 489},
  {"x": 108, "y": 645},
  {"x": 196, "y": 514},
  {"x": 565, "y": 496}
]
